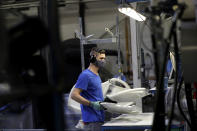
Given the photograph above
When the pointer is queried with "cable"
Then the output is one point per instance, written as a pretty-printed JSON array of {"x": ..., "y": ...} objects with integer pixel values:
[
  {"x": 159, "y": 118},
  {"x": 188, "y": 92},
  {"x": 142, "y": 36},
  {"x": 159, "y": 104},
  {"x": 160, "y": 111},
  {"x": 178, "y": 102},
  {"x": 176, "y": 80},
  {"x": 151, "y": 65},
  {"x": 157, "y": 115},
  {"x": 178, "y": 13}
]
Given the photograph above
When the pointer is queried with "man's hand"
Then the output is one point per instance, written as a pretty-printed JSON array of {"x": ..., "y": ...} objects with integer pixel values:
[{"x": 96, "y": 105}]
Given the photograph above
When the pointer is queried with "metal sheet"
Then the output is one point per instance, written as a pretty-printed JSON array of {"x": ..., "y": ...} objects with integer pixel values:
[{"x": 189, "y": 51}]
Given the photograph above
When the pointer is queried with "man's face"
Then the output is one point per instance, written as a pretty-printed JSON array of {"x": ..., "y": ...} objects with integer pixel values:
[
  {"x": 100, "y": 62},
  {"x": 100, "y": 57}
]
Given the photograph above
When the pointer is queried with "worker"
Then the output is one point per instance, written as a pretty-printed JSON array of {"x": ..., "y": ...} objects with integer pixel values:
[{"x": 88, "y": 92}]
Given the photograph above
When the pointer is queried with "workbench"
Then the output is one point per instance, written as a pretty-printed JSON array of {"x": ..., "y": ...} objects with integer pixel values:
[{"x": 134, "y": 122}]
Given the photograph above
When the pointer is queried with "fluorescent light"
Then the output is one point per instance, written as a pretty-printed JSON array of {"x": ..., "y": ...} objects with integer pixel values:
[{"x": 132, "y": 13}]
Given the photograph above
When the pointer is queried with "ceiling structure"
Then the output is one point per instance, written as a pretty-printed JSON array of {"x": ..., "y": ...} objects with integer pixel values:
[{"x": 10, "y": 4}]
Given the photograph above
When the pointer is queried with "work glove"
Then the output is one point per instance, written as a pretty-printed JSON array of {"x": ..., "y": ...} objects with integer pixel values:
[{"x": 96, "y": 105}]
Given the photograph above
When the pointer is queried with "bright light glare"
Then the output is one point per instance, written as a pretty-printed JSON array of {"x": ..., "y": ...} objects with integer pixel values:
[{"x": 132, "y": 13}]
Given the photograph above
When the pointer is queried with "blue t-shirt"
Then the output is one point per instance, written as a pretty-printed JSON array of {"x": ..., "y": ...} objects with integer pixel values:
[{"x": 90, "y": 83}]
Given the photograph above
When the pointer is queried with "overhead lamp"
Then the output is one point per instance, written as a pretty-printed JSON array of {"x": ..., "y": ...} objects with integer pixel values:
[{"x": 129, "y": 11}]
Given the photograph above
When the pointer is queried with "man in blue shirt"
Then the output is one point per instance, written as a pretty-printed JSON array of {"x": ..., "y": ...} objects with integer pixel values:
[{"x": 88, "y": 92}]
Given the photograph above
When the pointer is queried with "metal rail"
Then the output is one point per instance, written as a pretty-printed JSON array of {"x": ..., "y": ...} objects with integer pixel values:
[{"x": 35, "y": 3}]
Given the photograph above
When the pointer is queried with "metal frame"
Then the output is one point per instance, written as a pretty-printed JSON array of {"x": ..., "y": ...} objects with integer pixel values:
[
  {"x": 36, "y": 3},
  {"x": 85, "y": 40},
  {"x": 114, "y": 128}
]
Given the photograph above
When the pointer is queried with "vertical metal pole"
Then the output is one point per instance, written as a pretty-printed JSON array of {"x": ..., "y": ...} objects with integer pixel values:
[
  {"x": 82, "y": 42},
  {"x": 160, "y": 57},
  {"x": 82, "y": 16},
  {"x": 135, "y": 58},
  {"x": 53, "y": 21},
  {"x": 3, "y": 44},
  {"x": 118, "y": 44},
  {"x": 192, "y": 113},
  {"x": 128, "y": 58},
  {"x": 42, "y": 11},
  {"x": 138, "y": 52}
]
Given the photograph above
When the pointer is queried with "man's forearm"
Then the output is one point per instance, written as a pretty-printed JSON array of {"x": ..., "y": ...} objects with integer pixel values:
[{"x": 80, "y": 99}]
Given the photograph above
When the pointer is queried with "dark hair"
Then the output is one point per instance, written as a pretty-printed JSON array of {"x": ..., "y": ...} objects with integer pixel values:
[{"x": 96, "y": 50}]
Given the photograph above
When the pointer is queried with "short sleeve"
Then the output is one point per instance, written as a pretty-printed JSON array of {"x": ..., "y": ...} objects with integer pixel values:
[{"x": 82, "y": 81}]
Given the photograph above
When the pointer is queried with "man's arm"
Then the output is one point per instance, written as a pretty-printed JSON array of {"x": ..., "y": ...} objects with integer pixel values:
[{"x": 75, "y": 95}]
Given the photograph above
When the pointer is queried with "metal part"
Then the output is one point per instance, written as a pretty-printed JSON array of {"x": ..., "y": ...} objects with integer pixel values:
[
  {"x": 102, "y": 41},
  {"x": 82, "y": 42},
  {"x": 36, "y": 3},
  {"x": 54, "y": 122},
  {"x": 42, "y": 11},
  {"x": 192, "y": 113},
  {"x": 118, "y": 43},
  {"x": 18, "y": 5},
  {"x": 3, "y": 45},
  {"x": 135, "y": 56},
  {"x": 82, "y": 16},
  {"x": 189, "y": 52},
  {"x": 128, "y": 53},
  {"x": 157, "y": 40},
  {"x": 109, "y": 31},
  {"x": 82, "y": 1}
]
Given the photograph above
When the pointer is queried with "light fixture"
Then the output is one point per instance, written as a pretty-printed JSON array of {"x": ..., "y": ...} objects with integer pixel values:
[{"x": 127, "y": 10}]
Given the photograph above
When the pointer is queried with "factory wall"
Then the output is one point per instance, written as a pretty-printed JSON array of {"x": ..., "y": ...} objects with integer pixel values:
[{"x": 97, "y": 18}]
